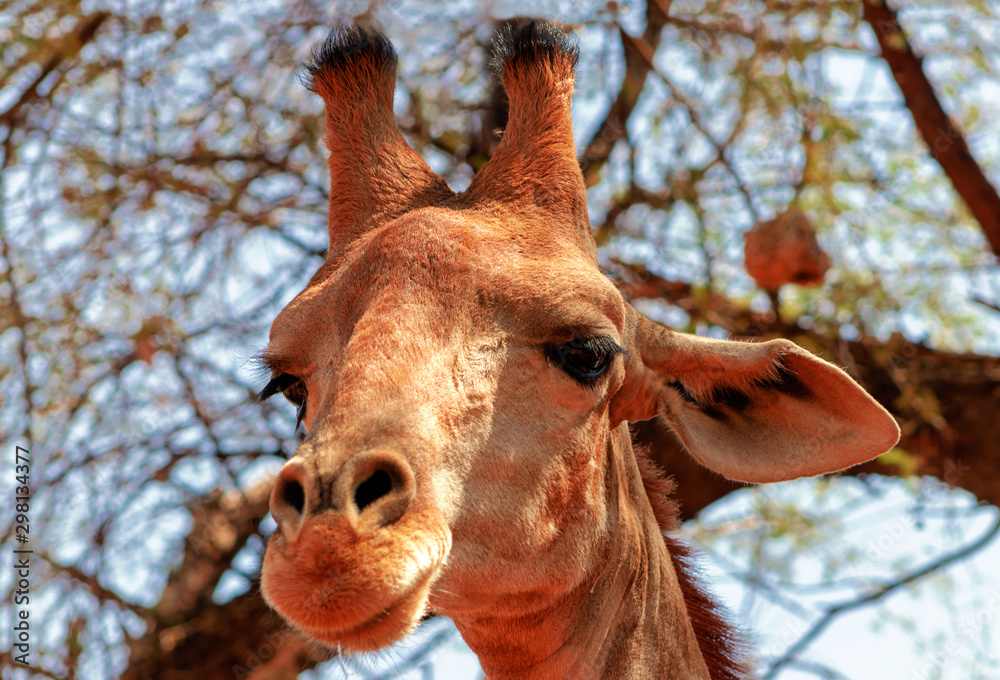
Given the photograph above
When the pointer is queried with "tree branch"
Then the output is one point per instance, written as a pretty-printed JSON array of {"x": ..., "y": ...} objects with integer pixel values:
[
  {"x": 68, "y": 48},
  {"x": 943, "y": 138},
  {"x": 878, "y": 594},
  {"x": 613, "y": 128},
  {"x": 187, "y": 630}
]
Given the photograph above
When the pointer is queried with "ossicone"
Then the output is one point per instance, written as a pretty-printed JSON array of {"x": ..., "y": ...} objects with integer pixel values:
[{"x": 374, "y": 174}]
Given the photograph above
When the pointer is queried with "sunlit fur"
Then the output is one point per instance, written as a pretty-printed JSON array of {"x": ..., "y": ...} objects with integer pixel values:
[{"x": 513, "y": 501}]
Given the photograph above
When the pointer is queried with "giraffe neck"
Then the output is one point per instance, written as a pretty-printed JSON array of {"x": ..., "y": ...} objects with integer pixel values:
[{"x": 626, "y": 620}]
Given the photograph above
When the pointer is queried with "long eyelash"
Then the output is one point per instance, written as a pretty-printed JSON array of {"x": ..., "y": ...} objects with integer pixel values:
[
  {"x": 602, "y": 345},
  {"x": 258, "y": 366},
  {"x": 265, "y": 363},
  {"x": 277, "y": 384}
]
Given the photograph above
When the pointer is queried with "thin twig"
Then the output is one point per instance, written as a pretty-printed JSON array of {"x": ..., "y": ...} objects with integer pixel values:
[{"x": 878, "y": 594}]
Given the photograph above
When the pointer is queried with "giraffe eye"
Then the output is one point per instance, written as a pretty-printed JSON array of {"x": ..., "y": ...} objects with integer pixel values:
[
  {"x": 586, "y": 359},
  {"x": 295, "y": 393},
  {"x": 292, "y": 389}
]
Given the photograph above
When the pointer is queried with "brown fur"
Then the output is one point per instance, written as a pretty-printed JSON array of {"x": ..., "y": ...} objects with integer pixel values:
[{"x": 721, "y": 645}]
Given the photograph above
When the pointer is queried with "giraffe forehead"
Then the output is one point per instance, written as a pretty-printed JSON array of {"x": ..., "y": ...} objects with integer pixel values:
[{"x": 437, "y": 267}]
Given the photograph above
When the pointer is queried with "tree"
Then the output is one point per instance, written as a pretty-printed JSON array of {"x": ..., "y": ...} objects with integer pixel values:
[{"x": 164, "y": 194}]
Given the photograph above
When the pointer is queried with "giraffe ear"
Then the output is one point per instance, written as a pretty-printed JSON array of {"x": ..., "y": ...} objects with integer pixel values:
[{"x": 754, "y": 412}]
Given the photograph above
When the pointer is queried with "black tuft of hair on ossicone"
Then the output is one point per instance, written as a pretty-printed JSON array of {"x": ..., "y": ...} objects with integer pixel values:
[
  {"x": 344, "y": 47},
  {"x": 530, "y": 41}
]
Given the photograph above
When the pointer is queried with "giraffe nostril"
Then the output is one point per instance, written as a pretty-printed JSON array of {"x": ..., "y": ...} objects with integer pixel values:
[
  {"x": 294, "y": 495},
  {"x": 372, "y": 489},
  {"x": 288, "y": 498}
]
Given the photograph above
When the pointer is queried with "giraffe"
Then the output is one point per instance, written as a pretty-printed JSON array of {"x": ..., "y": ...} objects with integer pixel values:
[{"x": 466, "y": 375}]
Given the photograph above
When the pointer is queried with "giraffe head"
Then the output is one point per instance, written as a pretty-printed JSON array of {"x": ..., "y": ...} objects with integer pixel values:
[{"x": 465, "y": 373}]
